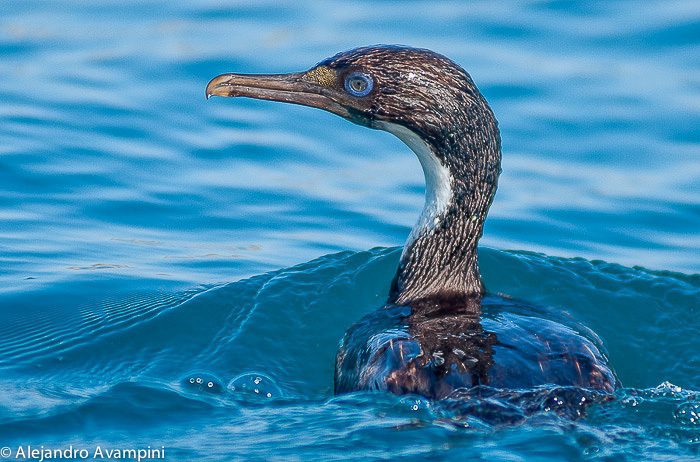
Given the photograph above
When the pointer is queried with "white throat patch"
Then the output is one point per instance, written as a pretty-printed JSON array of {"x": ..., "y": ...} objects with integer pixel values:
[{"x": 438, "y": 180}]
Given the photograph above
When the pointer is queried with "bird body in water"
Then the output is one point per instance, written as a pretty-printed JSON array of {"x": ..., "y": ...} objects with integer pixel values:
[{"x": 432, "y": 338}]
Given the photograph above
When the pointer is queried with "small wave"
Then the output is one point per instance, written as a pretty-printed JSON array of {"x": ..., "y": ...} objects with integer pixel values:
[{"x": 54, "y": 332}]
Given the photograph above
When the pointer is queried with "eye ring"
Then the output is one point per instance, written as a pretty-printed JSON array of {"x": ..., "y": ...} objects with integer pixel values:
[{"x": 358, "y": 84}]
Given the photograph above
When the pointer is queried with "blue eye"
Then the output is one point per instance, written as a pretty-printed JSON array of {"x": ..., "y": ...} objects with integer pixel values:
[{"x": 358, "y": 84}]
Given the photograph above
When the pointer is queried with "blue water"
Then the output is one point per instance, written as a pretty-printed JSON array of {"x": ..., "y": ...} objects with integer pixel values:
[{"x": 177, "y": 273}]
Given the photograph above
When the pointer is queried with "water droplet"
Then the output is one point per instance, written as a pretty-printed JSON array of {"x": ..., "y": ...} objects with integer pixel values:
[
  {"x": 631, "y": 401},
  {"x": 667, "y": 388}
]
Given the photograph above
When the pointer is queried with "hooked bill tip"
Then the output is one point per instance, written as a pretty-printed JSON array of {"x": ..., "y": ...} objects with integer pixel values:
[{"x": 216, "y": 86}]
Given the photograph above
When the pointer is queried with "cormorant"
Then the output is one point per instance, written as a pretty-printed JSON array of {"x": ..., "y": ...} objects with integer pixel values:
[{"x": 432, "y": 337}]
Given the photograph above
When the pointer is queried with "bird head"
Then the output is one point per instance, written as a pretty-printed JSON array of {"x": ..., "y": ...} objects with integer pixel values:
[{"x": 381, "y": 87}]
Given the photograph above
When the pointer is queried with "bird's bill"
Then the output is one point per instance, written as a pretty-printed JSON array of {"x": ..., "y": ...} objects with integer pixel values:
[{"x": 286, "y": 88}]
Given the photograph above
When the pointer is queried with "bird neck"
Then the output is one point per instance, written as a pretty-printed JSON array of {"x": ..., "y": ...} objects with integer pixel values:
[
  {"x": 440, "y": 258},
  {"x": 441, "y": 261}
]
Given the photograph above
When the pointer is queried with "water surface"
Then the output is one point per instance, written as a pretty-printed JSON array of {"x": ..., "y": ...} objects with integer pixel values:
[{"x": 149, "y": 237}]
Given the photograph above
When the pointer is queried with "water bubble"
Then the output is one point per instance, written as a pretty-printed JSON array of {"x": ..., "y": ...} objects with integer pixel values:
[
  {"x": 256, "y": 384},
  {"x": 202, "y": 382},
  {"x": 688, "y": 413},
  {"x": 416, "y": 403}
]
